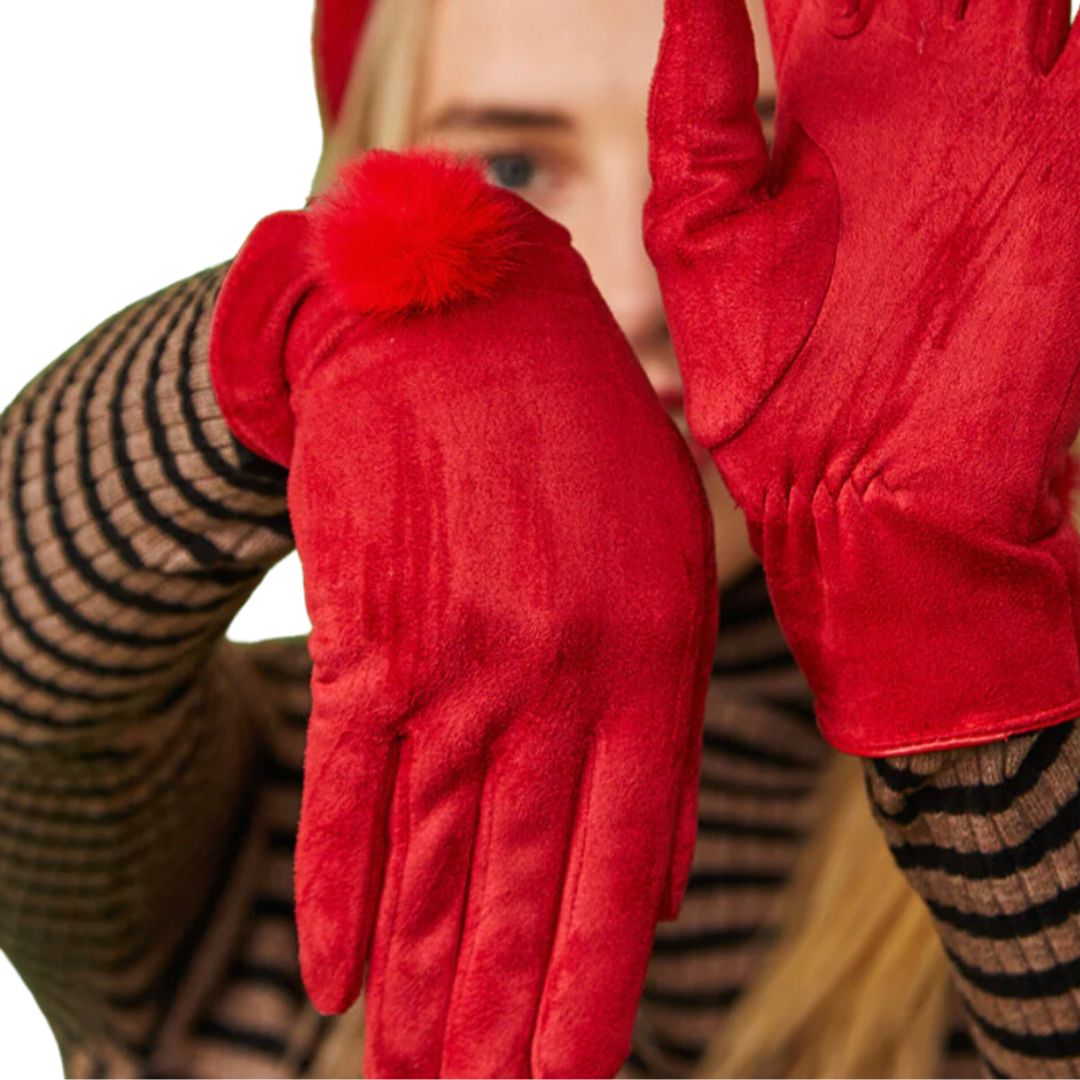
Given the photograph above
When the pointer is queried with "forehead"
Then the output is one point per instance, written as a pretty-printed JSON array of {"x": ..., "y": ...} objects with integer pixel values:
[{"x": 562, "y": 52}]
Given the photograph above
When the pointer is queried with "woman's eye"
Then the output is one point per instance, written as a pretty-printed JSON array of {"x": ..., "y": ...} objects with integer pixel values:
[{"x": 512, "y": 171}]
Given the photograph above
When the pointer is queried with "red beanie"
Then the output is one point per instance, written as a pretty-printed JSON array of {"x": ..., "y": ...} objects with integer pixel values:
[{"x": 336, "y": 35}]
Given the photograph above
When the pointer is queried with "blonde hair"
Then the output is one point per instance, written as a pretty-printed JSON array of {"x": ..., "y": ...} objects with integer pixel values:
[
  {"x": 857, "y": 982},
  {"x": 379, "y": 101}
]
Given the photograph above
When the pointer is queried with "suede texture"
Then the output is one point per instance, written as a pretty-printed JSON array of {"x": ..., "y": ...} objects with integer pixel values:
[
  {"x": 879, "y": 331},
  {"x": 508, "y": 567}
]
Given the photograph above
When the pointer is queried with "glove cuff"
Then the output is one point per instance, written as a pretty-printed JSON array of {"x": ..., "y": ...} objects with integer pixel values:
[{"x": 914, "y": 633}]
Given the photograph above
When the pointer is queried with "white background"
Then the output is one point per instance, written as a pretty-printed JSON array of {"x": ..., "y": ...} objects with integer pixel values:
[{"x": 140, "y": 144}]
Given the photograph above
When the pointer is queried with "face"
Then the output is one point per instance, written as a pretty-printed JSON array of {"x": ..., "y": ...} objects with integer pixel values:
[{"x": 553, "y": 94}]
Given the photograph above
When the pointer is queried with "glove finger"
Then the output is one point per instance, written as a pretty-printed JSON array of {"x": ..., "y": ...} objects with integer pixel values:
[
  {"x": 611, "y": 899},
  {"x": 996, "y": 15},
  {"x": 340, "y": 848},
  {"x": 688, "y": 777},
  {"x": 743, "y": 269},
  {"x": 433, "y": 823},
  {"x": 517, "y": 878},
  {"x": 705, "y": 138},
  {"x": 1070, "y": 56},
  {"x": 781, "y": 16},
  {"x": 1050, "y": 30}
]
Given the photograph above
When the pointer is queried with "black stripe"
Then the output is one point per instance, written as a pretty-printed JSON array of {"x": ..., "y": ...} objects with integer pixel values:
[
  {"x": 281, "y": 669},
  {"x": 112, "y": 852},
  {"x": 175, "y": 970},
  {"x": 64, "y": 658},
  {"x": 257, "y": 474},
  {"x": 276, "y": 771},
  {"x": 32, "y": 752},
  {"x": 726, "y": 938},
  {"x": 725, "y": 826},
  {"x": 736, "y": 747},
  {"x": 29, "y": 781},
  {"x": 716, "y": 998},
  {"x": 1004, "y": 926},
  {"x": 20, "y": 671},
  {"x": 1023, "y": 985},
  {"x": 1058, "y": 1045},
  {"x": 686, "y": 1050},
  {"x": 201, "y": 548},
  {"x": 84, "y": 818},
  {"x": 260, "y": 1042},
  {"x": 779, "y": 659},
  {"x": 163, "y": 451},
  {"x": 113, "y": 589},
  {"x": 122, "y": 545},
  {"x": 35, "y": 718},
  {"x": 296, "y": 719},
  {"x": 51, "y": 722},
  {"x": 217, "y": 574},
  {"x": 272, "y": 907},
  {"x": 1004, "y": 862},
  {"x": 798, "y": 708},
  {"x": 103, "y": 925},
  {"x": 288, "y": 982},
  {"x": 261, "y": 477},
  {"x": 976, "y": 798},
  {"x": 305, "y": 1061},
  {"x": 745, "y": 599},
  {"x": 959, "y": 1043},
  {"x": 780, "y": 790},
  {"x": 54, "y": 601},
  {"x": 282, "y": 841},
  {"x": 707, "y": 880},
  {"x": 636, "y": 1063}
]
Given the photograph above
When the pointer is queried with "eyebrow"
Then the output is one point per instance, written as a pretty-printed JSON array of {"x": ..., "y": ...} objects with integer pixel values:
[
  {"x": 501, "y": 116},
  {"x": 487, "y": 116}
]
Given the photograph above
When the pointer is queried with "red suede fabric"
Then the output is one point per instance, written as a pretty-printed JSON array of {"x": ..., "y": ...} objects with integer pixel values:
[
  {"x": 880, "y": 333},
  {"x": 336, "y": 34},
  {"x": 507, "y": 562}
]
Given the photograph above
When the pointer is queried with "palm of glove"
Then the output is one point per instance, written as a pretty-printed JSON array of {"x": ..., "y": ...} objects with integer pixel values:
[
  {"x": 950, "y": 304},
  {"x": 880, "y": 341}
]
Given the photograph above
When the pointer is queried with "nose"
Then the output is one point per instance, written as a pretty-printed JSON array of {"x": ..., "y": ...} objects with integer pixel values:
[
  {"x": 633, "y": 295},
  {"x": 621, "y": 268}
]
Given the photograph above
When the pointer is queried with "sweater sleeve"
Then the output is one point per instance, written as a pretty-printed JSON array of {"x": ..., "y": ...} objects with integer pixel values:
[
  {"x": 762, "y": 763},
  {"x": 133, "y": 528},
  {"x": 990, "y": 837}
]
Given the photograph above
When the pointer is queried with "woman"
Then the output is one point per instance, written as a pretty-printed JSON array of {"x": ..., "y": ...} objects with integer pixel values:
[{"x": 208, "y": 984}]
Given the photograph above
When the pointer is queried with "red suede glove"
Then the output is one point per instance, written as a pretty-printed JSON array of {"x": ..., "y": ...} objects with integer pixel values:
[
  {"x": 880, "y": 334},
  {"x": 507, "y": 562}
]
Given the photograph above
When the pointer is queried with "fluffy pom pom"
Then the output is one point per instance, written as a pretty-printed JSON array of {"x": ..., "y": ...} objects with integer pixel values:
[{"x": 399, "y": 232}]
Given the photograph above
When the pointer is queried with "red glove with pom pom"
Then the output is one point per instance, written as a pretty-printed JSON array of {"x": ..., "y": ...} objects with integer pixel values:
[
  {"x": 880, "y": 334},
  {"x": 508, "y": 567}
]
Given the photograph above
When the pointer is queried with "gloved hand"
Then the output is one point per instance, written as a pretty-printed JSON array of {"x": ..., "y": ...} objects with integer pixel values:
[
  {"x": 507, "y": 563},
  {"x": 880, "y": 335}
]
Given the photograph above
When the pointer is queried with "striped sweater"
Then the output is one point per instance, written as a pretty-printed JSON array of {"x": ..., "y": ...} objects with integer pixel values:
[{"x": 150, "y": 769}]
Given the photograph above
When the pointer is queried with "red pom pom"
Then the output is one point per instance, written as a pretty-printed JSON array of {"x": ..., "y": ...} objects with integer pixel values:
[{"x": 407, "y": 231}]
